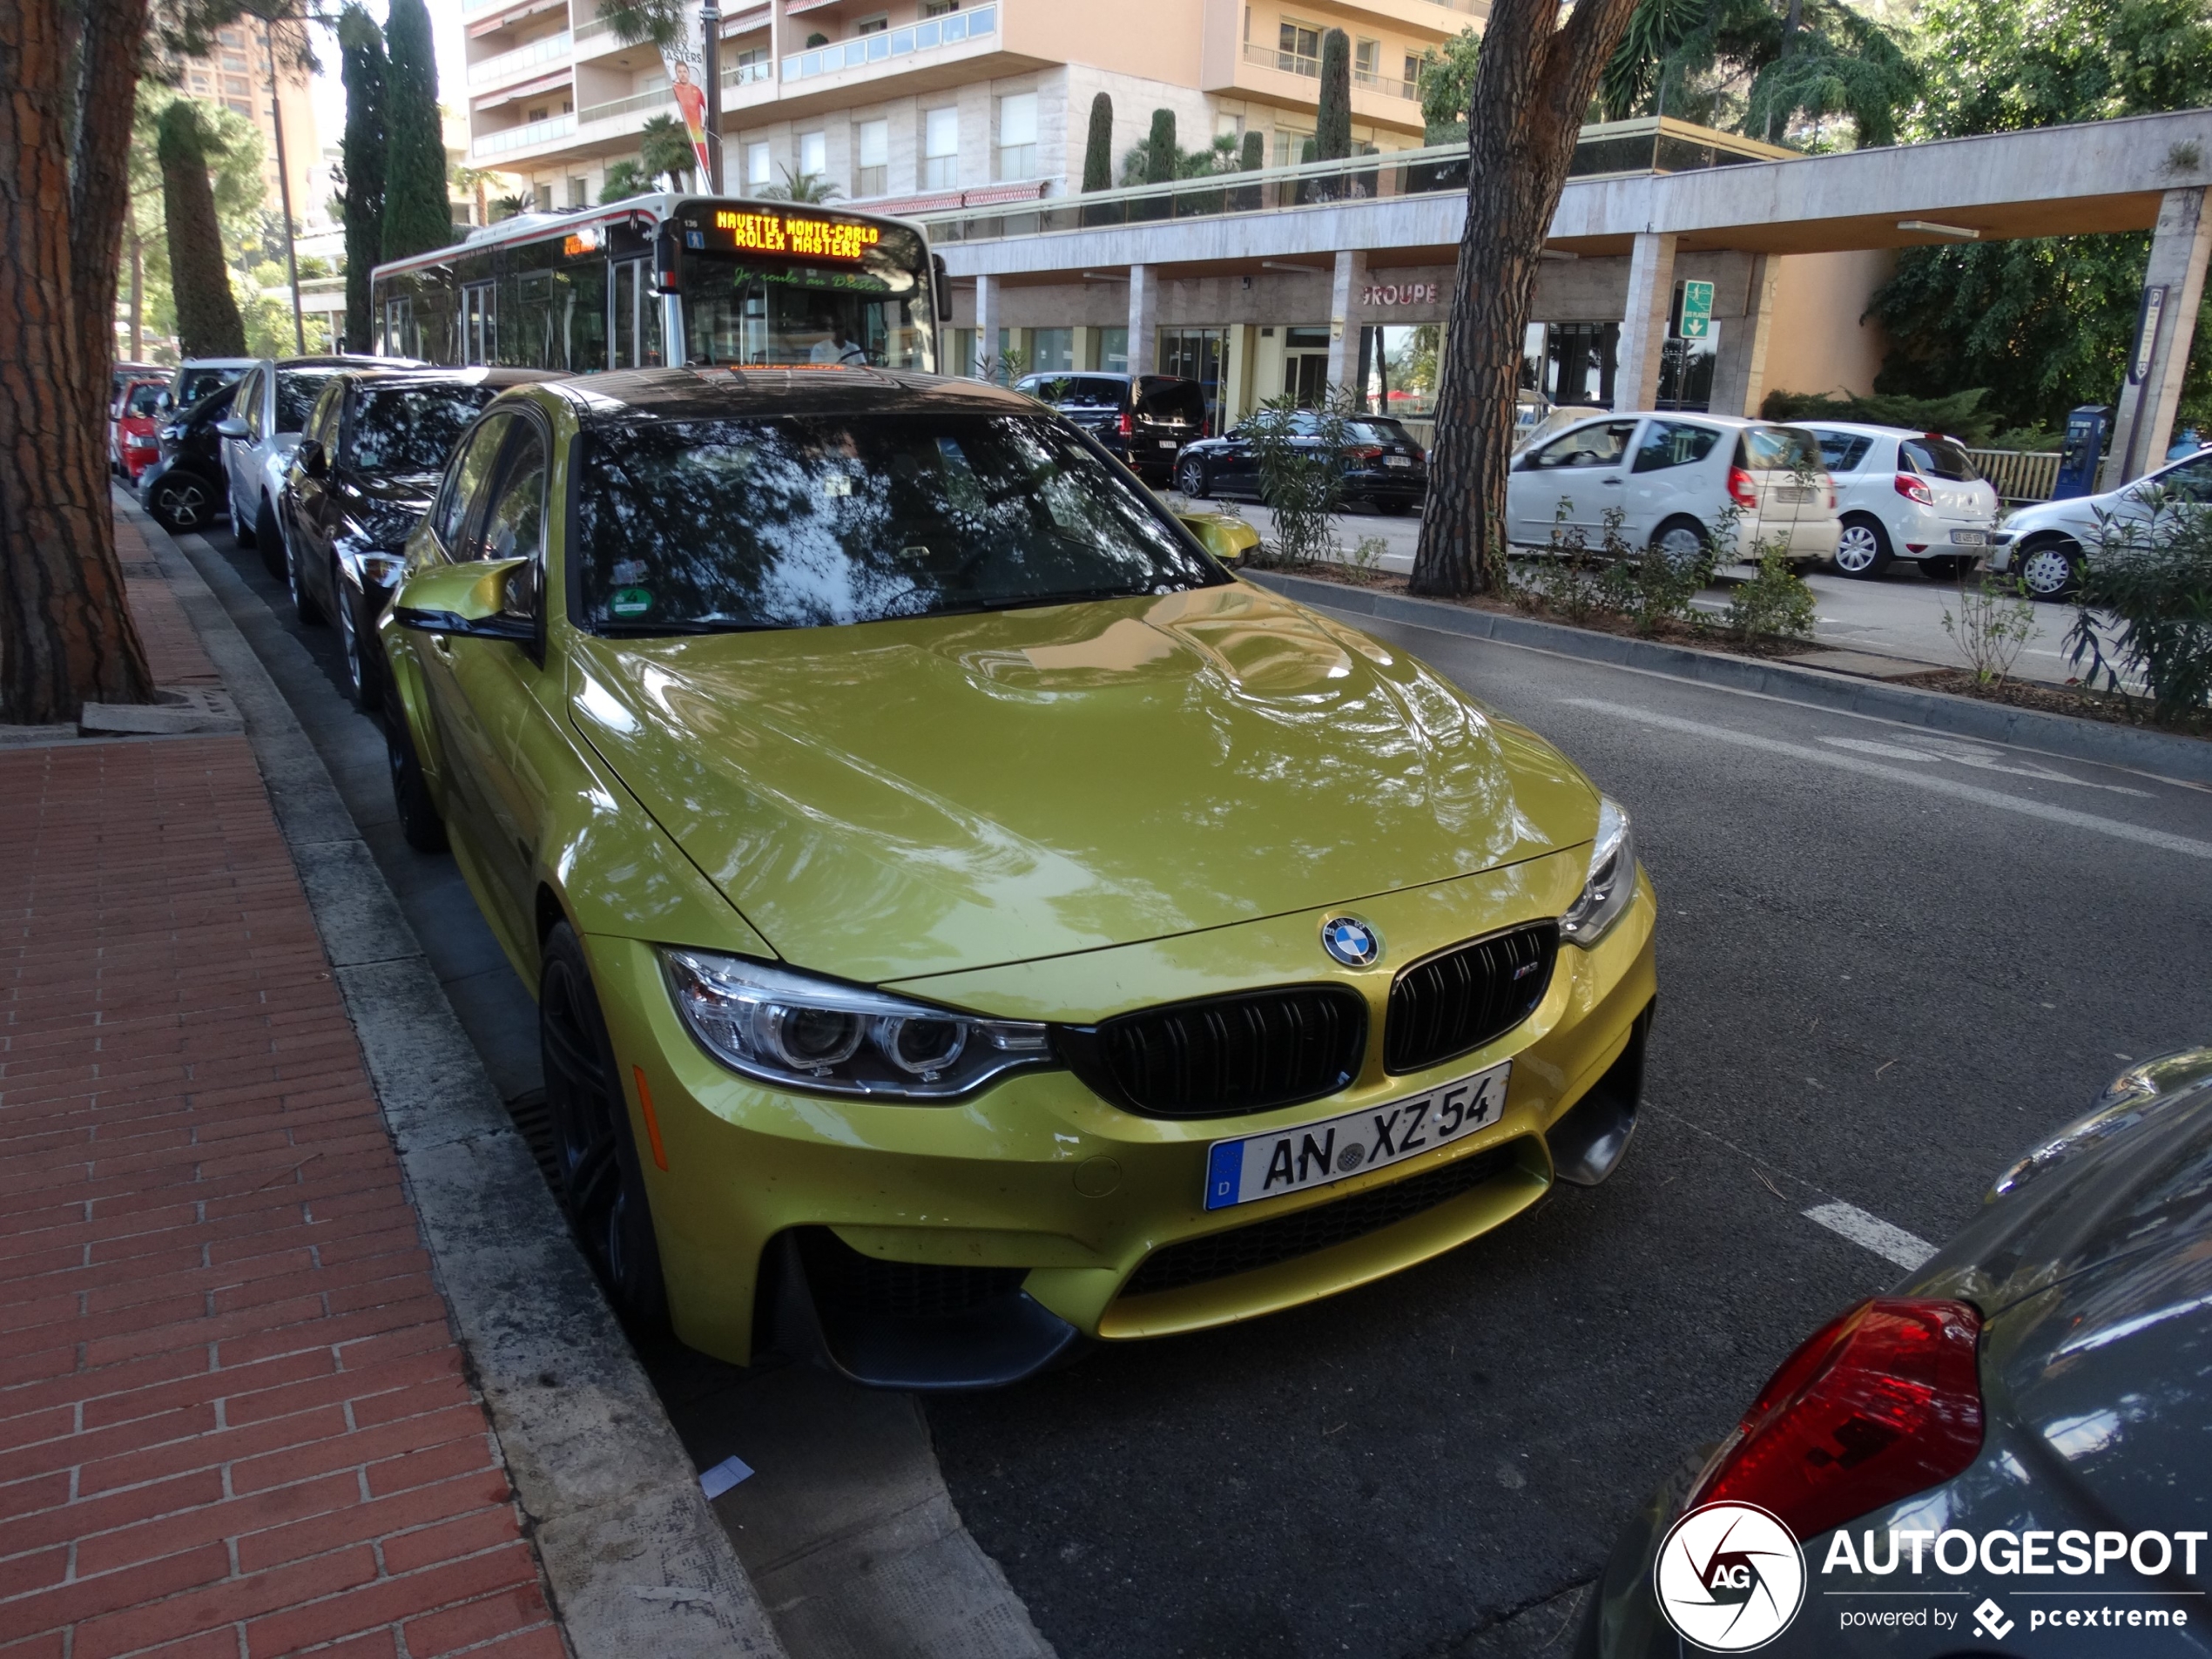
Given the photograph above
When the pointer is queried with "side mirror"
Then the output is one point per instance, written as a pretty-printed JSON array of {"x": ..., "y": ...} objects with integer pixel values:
[
  {"x": 941, "y": 281},
  {"x": 231, "y": 427},
  {"x": 469, "y": 600}
]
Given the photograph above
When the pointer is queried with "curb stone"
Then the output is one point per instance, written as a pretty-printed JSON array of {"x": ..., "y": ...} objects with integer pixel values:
[
  {"x": 635, "y": 1560},
  {"x": 2161, "y": 754}
]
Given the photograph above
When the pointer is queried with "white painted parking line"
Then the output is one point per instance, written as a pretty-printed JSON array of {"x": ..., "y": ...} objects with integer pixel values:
[
  {"x": 2111, "y": 826},
  {"x": 1906, "y": 1250}
]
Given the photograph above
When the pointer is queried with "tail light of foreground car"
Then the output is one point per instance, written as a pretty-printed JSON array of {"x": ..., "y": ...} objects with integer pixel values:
[
  {"x": 1882, "y": 1403},
  {"x": 1741, "y": 489},
  {"x": 1913, "y": 490}
]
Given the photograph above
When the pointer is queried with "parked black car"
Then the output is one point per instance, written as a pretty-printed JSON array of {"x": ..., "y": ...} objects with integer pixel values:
[
  {"x": 367, "y": 462},
  {"x": 1388, "y": 469},
  {"x": 183, "y": 488},
  {"x": 1142, "y": 419}
]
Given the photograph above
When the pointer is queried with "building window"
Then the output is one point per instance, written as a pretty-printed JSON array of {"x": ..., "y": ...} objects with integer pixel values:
[
  {"x": 1366, "y": 58},
  {"x": 872, "y": 26},
  {"x": 1412, "y": 70},
  {"x": 751, "y": 55},
  {"x": 235, "y": 61},
  {"x": 579, "y": 189},
  {"x": 1052, "y": 351},
  {"x": 544, "y": 197},
  {"x": 756, "y": 163},
  {"x": 236, "y": 85},
  {"x": 813, "y": 154},
  {"x": 1018, "y": 135},
  {"x": 539, "y": 113},
  {"x": 939, "y": 8},
  {"x": 238, "y": 106},
  {"x": 872, "y": 174},
  {"x": 1298, "y": 48},
  {"x": 940, "y": 148},
  {"x": 1290, "y": 145}
]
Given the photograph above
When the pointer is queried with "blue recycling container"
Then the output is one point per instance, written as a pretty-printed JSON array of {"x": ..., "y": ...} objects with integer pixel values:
[{"x": 2083, "y": 450}]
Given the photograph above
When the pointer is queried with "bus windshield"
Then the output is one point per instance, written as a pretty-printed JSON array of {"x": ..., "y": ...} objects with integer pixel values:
[{"x": 741, "y": 313}]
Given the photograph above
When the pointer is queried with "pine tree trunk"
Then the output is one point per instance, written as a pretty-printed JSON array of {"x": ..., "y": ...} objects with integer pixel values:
[
  {"x": 1531, "y": 91},
  {"x": 66, "y": 634}
]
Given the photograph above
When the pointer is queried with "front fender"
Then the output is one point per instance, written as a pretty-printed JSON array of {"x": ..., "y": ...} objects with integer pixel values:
[{"x": 408, "y": 701}]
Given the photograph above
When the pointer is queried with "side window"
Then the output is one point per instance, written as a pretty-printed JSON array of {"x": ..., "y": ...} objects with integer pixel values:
[
  {"x": 1674, "y": 443},
  {"x": 322, "y": 420},
  {"x": 2191, "y": 481},
  {"x": 466, "y": 480},
  {"x": 1842, "y": 451},
  {"x": 1589, "y": 446},
  {"x": 515, "y": 527},
  {"x": 248, "y": 405}
]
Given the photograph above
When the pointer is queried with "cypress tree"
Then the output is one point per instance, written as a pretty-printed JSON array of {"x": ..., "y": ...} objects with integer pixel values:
[
  {"x": 207, "y": 320},
  {"x": 1254, "y": 151},
  {"x": 1098, "y": 149},
  {"x": 416, "y": 216},
  {"x": 361, "y": 158},
  {"x": 1333, "y": 126},
  {"x": 1161, "y": 151}
]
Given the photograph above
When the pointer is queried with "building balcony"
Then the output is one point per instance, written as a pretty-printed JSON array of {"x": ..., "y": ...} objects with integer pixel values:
[
  {"x": 1309, "y": 69},
  {"x": 887, "y": 46},
  {"x": 531, "y": 135},
  {"x": 523, "y": 60}
]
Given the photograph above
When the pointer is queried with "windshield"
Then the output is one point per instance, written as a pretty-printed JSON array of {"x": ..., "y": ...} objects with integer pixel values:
[
  {"x": 1934, "y": 457},
  {"x": 1076, "y": 391},
  {"x": 144, "y": 398},
  {"x": 403, "y": 429},
  {"x": 743, "y": 315},
  {"x": 1842, "y": 451},
  {"x": 807, "y": 521},
  {"x": 296, "y": 392}
]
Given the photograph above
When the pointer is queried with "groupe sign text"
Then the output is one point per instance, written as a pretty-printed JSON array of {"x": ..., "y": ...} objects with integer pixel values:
[{"x": 1399, "y": 293}]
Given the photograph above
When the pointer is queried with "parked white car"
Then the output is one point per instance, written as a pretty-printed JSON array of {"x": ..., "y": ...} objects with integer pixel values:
[
  {"x": 1904, "y": 494},
  {"x": 1674, "y": 478},
  {"x": 267, "y": 415},
  {"x": 2046, "y": 543}
]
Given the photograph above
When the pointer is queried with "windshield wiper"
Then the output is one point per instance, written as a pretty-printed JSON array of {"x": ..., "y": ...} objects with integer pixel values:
[{"x": 653, "y": 629}]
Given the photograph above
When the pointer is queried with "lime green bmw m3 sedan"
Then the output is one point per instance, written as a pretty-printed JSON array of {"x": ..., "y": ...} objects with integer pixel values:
[{"x": 966, "y": 919}]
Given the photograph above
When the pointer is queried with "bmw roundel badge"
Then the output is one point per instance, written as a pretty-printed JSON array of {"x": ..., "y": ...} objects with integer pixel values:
[{"x": 1351, "y": 942}]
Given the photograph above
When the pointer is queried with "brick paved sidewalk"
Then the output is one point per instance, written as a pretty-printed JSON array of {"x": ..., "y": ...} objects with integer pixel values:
[{"x": 233, "y": 1418}]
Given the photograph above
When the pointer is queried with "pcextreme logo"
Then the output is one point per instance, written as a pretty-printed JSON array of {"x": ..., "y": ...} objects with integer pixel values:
[{"x": 1729, "y": 1577}]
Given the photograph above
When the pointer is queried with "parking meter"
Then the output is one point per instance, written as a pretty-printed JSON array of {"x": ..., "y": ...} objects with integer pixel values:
[{"x": 2083, "y": 449}]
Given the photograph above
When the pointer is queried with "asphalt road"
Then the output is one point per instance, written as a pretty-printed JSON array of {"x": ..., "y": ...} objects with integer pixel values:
[{"x": 1888, "y": 962}]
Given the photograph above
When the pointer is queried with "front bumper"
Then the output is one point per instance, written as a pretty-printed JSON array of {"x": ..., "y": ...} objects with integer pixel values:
[{"x": 1040, "y": 1181}]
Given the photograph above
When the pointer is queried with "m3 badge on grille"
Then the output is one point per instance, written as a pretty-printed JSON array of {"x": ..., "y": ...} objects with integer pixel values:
[{"x": 1351, "y": 940}]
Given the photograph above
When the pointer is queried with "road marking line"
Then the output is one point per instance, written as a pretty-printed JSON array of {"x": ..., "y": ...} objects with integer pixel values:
[
  {"x": 1906, "y": 1250},
  {"x": 2049, "y": 815}
]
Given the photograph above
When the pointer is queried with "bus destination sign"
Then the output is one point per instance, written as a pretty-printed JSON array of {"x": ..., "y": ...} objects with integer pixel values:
[{"x": 766, "y": 232}]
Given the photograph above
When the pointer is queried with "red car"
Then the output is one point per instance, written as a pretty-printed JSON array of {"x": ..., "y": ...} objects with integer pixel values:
[{"x": 132, "y": 445}]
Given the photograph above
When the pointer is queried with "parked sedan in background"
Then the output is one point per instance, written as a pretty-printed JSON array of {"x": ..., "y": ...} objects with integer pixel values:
[
  {"x": 1676, "y": 482},
  {"x": 2047, "y": 1375},
  {"x": 1904, "y": 494},
  {"x": 132, "y": 444},
  {"x": 268, "y": 412},
  {"x": 183, "y": 488},
  {"x": 1385, "y": 466},
  {"x": 362, "y": 474},
  {"x": 1144, "y": 420},
  {"x": 2045, "y": 544}
]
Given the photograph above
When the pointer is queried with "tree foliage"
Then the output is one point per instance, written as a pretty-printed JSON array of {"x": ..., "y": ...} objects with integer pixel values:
[
  {"x": 664, "y": 148},
  {"x": 1333, "y": 122},
  {"x": 361, "y": 165},
  {"x": 416, "y": 214},
  {"x": 1446, "y": 83},
  {"x": 1098, "y": 147},
  {"x": 815, "y": 187},
  {"x": 207, "y": 317},
  {"x": 1158, "y": 160},
  {"x": 626, "y": 178}
]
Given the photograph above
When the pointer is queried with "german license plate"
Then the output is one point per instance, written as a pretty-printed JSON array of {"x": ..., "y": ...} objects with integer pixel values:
[
  {"x": 1793, "y": 494},
  {"x": 1970, "y": 539},
  {"x": 1268, "y": 1166},
  {"x": 1167, "y": 443},
  {"x": 1398, "y": 461}
]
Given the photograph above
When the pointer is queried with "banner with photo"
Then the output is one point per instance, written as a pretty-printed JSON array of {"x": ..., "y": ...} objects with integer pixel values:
[{"x": 685, "y": 57}]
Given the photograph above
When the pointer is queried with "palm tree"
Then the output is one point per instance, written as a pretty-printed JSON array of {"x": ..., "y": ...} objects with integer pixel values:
[{"x": 805, "y": 187}]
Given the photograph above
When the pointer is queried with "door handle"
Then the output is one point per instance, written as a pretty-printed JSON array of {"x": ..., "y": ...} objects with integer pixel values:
[
  {"x": 1611, "y": 483},
  {"x": 438, "y": 644}
]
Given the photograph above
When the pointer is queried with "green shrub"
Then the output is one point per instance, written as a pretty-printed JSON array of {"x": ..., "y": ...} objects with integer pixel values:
[
  {"x": 1301, "y": 475},
  {"x": 2155, "y": 580},
  {"x": 1773, "y": 605},
  {"x": 1959, "y": 415}
]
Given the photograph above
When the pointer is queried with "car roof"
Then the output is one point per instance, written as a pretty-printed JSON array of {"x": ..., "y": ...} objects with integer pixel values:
[
  {"x": 501, "y": 378},
  {"x": 725, "y": 394},
  {"x": 343, "y": 359},
  {"x": 219, "y": 362},
  {"x": 1863, "y": 429}
]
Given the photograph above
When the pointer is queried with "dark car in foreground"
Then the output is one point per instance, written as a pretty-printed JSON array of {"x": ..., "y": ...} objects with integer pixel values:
[
  {"x": 183, "y": 488},
  {"x": 2005, "y": 1454},
  {"x": 1384, "y": 466},
  {"x": 1142, "y": 419},
  {"x": 367, "y": 462}
]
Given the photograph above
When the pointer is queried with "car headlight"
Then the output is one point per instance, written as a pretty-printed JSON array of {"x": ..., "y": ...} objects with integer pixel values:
[
  {"x": 369, "y": 565},
  {"x": 1612, "y": 880},
  {"x": 795, "y": 1029}
]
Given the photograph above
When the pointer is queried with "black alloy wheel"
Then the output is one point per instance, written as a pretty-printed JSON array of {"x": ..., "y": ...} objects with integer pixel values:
[
  {"x": 181, "y": 504},
  {"x": 419, "y": 821},
  {"x": 360, "y": 683},
  {"x": 603, "y": 1184},
  {"x": 304, "y": 604},
  {"x": 1190, "y": 477}
]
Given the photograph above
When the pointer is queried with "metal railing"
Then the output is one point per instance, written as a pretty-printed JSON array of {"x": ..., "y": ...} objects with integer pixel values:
[
  {"x": 953, "y": 29},
  {"x": 748, "y": 74},
  {"x": 2020, "y": 474},
  {"x": 1650, "y": 144},
  {"x": 502, "y": 140},
  {"x": 552, "y": 48},
  {"x": 1289, "y": 62},
  {"x": 654, "y": 101},
  {"x": 1388, "y": 85}
]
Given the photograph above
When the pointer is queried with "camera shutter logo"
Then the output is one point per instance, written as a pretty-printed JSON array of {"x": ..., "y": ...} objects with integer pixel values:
[{"x": 1729, "y": 1577}]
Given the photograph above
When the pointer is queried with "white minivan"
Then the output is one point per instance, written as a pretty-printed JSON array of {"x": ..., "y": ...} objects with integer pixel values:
[
  {"x": 1678, "y": 481},
  {"x": 1905, "y": 495}
]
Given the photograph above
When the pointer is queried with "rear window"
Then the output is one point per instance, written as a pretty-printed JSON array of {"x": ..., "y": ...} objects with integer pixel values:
[
  {"x": 194, "y": 384},
  {"x": 1934, "y": 457},
  {"x": 1172, "y": 400},
  {"x": 1375, "y": 431},
  {"x": 1842, "y": 451},
  {"x": 1674, "y": 443},
  {"x": 1076, "y": 391},
  {"x": 412, "y": 430},
  {"x": 1776, "y": 449}
]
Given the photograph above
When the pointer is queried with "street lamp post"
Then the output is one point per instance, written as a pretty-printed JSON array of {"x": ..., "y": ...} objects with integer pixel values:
[{"x": 710, "y": 71}]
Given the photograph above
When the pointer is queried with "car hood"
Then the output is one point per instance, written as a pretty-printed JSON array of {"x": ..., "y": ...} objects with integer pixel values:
[{"x": 914, "y": 797}]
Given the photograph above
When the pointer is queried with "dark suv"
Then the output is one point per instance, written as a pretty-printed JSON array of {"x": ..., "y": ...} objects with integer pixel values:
[{"x": 1143, "y": 419}]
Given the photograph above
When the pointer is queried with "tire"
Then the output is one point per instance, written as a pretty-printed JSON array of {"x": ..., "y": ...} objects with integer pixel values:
[
  {"x": 181, "y": 504},
  {"x": 1190, "y": 477},
  {"x": 603, "y": 1183},
  {"x": 268, "y": 535},
  {"x": 1862, "y": 549},
  {"x": 1682, "y": 539},
  {"x": 2049, "y": 569},
  {"x": 361, "y": 676},
  {"x": 419, "y": 821},
  {"x": 305, "y": 605}
]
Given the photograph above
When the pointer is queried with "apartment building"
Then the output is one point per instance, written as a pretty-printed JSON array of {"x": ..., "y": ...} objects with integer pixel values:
[
  {"x": 235, "y": 75},
  {"x": 918, "y": 105}
]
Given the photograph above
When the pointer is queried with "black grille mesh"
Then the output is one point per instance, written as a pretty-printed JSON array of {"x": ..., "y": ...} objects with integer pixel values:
[
  {"x": 845, "y": 1278},
  {"x": 1229, "y": 1054},
  {"x": 1245, "y": 1250},
  {"x": 1458, "y": 1000}
]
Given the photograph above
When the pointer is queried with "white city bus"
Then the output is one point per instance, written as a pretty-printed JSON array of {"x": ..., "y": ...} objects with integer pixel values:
[{"x": 730, "y": 281}]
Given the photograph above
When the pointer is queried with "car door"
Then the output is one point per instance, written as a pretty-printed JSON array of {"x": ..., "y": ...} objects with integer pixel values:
[
  {"x": 1233, "y": 465},
  {"x": 1667, "y": 479},
  {"x": 237, "y": 453},
  {"x": 307, "y": 498},
  {"x": 1570, "y": 481}
]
